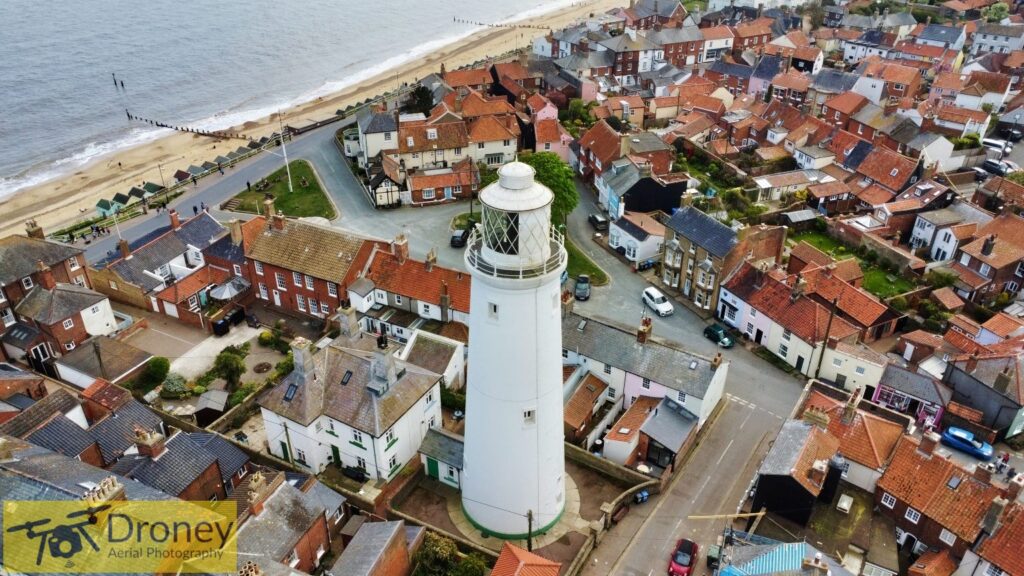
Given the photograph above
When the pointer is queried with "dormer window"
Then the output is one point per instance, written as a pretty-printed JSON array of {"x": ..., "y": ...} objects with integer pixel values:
[
  {"x": 409, "y": 141},
  {"x": 431, "y": 134}
]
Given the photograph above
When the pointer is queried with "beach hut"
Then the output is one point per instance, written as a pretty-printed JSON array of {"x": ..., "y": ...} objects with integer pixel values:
[
  {"x": 222, "y": 160},
  {"x": 105, "y": 208},
  {"x": 242, "y": 151},
  {"x": 194, "y": 170},
  {"x": 137, "y": 193},
  {"x": 181, "y": 175},
  {"x": 152, "y": 188},
  {"x": 233, "y": 155},
  {"x": 121, "y": 199},
  {"x": 209, "y": 166},
  {"x": 253, "y": 144}
]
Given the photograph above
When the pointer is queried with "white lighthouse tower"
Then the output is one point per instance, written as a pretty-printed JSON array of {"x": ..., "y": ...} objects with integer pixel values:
[{"x": 514, "y": 457}]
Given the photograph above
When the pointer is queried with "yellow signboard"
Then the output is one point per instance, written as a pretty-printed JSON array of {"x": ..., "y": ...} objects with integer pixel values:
[{"x": 81, "y": 536}]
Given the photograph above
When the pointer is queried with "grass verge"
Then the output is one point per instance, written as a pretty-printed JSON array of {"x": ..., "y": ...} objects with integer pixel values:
[
  {"x": 580, "y": 263},
  {"x": 305, "y": 201}
]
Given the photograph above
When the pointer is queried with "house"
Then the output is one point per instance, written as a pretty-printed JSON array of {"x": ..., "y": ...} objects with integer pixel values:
[
  {"x": 438, "y": 185},
  {"x": 718, "y": 40},
  {"x": 628, "y": 367},
  {"x": 852, "y": 366},
  {"x": 628, "y": 187},
  {"x": 387, "y": 183},
  {"x": 103, "y": 358},
  {"x": 581, "y": 408},
  {"x": 380, "y": 549},
  {"x": 796, "y": 470},
  {"x": 869, "y": 43},
  {"x": 990, "y": 381},
  {"x": 1000, "y": 552},
  {"x": 936, "y": 229},
  {"x": 441, "y": 454},
  {"x": 791, "y": 87},
  {"x": 541, "y": 108},
  {"x": 772, "y": 187},
  {"x": 806, "y": 256},
  {"x": 994, "y": 262},
  {"x": 15, "y": 381},
  {"x": 890, "y": 170},
  {"x": 351, "y": 405},
  {"x": 377, "y": 131},
  {"x": 466, "y": 79},
  {"x": 751, "y": 35},
  {"x": 831, "y": 198},
  {"x": 946, "y": 86},
  {"x": 639, "y": 236},
  {"x": 682, "y": 46},
  {"x": 433, "y": 145},
  {"x": 634, "y": 54},
  {"x": 298, "y": 266},
  {"x": 999, "y": 38},
  {"x": 514, "y": 561},
  {"x": 20, "y": 273},
  {"x": 918, "y": 395},
  {"x": 828, "y": 83},
  {"x": 628, "y": 109},
  {"x": 551, "y": 136},
  {"x": 935, "y": 502},
  {"x": 175, "y": 466},
  {"x": 995, "y": 192},
  {"x": 883, "y": 81},
  {"x": 774, "y": 557},
  {"x": 599, "y": 147},
  {"x": 984, "y": 89},
  {"x": 951, "y": 37},
  {"x": 868, "y": 435},
  {"x": 838, "y": 110},
  {"x": 765, "y": 70}
]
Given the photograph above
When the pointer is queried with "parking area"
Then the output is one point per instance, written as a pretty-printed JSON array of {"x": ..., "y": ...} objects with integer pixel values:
[{"x": 164, "y": 336}]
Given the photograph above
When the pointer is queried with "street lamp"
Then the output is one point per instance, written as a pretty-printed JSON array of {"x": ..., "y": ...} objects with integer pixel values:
[{"x": 284, "y": 149}]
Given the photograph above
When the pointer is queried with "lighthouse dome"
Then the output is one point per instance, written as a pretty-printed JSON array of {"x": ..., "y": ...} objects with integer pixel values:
[{"x": 516, "y": 190}]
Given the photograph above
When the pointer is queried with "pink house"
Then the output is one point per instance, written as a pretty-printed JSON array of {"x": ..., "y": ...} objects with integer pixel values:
[
  {"x": 552, "y": 137},
  {"x": 541, "y": 108}
]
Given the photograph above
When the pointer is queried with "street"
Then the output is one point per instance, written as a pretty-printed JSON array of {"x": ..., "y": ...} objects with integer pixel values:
[{"x": 717, "y": 475}]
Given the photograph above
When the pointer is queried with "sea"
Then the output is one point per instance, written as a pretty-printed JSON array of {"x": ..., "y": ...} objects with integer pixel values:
[{"x": 208, "y": 64}]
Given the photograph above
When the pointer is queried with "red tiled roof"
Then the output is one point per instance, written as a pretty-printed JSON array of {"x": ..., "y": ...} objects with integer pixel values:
[
  {"x": 848, "y": 103},
  {"x": 581, "y": 405},
  {"x": 718, "y": 33},
  {"x": 807, "y": 253},
  {"x": 513, "y": 70},
  {"x": 933, "y": 563},
  {"x": 708, "y": 103},
  {"x": 958, "y": 115},
  {"x": 867, "y": 439},
  {"x": 989, "y": 81},
  {"x": 891, "y": 71},
  {"x": 489, "y": 129},
  {"x": 603, "y": 141},
  {"x": 759, "y": 27},
  {"x": 820, "y": 445},
  {"x": 806, "y": 53},
  {"x": 462, "y": 173},
  {"x": 548, "y": 130},
  {"x": 947, "y": 298},
  {"x": 1003, "y": 325},
  {"x": 965, "y": 324},
  {"x": 887, "y": 168},
  {"x": 948, "y": 81},
  {"x": 1004, "y": 547},
  {"x": 193, "y": 283},
  {"x": 1008, "y": 248},
  {"x": 412, "y": 279},
  {"x": 963, "y": 343},
  {"x": 1014, "y": 59},
  {"x": 1004, "y": 189},
  {"x": 792, "y": 80},
  {"x": 448, "y": 136},
  {"x": 964, "y": 231},
  {"x": 467, "y": 77},
  {"x": 923, "y": 338},
  {"x": 632, "y": 420},
  {"x": 514, "y": 561},
  {"x": 841, "y": 142},
  {"x": 848, "y": 270},
  {"x": 802, "y": 316},
  {"x": 873, "y": 195},
  {"x": 536, "y": 102}
]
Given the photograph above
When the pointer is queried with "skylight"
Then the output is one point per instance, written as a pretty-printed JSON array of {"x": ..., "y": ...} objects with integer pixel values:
[
  {"x": 346, "y": 377},
  {"x": 290, "y": 392}
]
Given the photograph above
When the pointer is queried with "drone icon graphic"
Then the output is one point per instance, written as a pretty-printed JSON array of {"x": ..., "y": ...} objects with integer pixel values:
[{"x": 62, "y": 540}]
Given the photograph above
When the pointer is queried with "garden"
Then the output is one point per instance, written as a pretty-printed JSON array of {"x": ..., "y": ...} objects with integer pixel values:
[
  {"x": 880, "y": 278},
  {"x": 306, "y": 198}
]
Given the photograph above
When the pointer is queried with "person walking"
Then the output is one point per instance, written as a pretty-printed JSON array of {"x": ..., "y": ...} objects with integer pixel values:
[
  {"x": 248, "y": 186},
  {"x": 1011, "y": 473},
  {"x": 195, "y": 210},
  {"x": 1000, "y": 464}
]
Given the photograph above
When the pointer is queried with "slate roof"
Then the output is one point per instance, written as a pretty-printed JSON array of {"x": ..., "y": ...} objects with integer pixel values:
[
  {"x": 443, "y": 447},
  {"x": 173, "y": 470},
  {"x": 58, "y": 401},
  {"x": 632, "y": 229},
  {"x": 834, "y": 81},
  {"x": 670, "y": 424},
  {"x": 915, "y": 384},
  {"x": 623, "y": 179},
  {"x": 364, "y": 555},
  {"x": 49, "y": 307},
  {"x": 353, "y": 404},
  {"x": 200, "y": 231},
  {"x": 940, "y": 33},
  {"x": 1000, "y": 30},
  {"x": 61, "y": 434},
  {"x": 20, "y": 335},
  {"x": 319, "y": 251},
  {"x": 376, "y": 122},
  {"x": 227, "y": 250},
  {"x": 229, "y": 457},
  {"x": 287, "y": 514},
  {"x": 731, "y": 69},
  {"x": 708, "y": 233},
  {"x": 21, "y": 255},
  {"x": 119, "y": 358},
  {"x": 768, "y": 67},
  {"x": 794, "y": 451},
  {"x": 658, "y": 362},
  {"x": 116, "y": 432}
]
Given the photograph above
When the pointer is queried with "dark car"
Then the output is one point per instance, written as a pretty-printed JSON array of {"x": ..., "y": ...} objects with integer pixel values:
[
  {"x": 598, "y": 221},
  {"x": 995, "y": 167},
  {"x": 582, "y": 289},
  {"x": 683, "y": 558},
  {"x": 980, "y": 174},
  {"x": 459, "y": 238},
  {"x": 717, "y": 334},
  {"x": 1013, "y": 134}
]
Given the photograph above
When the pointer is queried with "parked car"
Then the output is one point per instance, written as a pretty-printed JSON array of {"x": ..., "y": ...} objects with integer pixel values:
[
  {"x": 1011, "y": 166},
  {"x": 1013, "y": 134},
  {"x": 657, "y": 301},
  {"x": 459, "y": 238},
  {"x": 717, "y": 334},
  {"x": 683, "y": 558},
  {"x": 598, "y": 221},
  {"x": 995, "y": 167},
  {"x": 980, "y": 174},
  {"x": 997, "y": 145},
  {"x": 565, "y": 277},
  {"x": 964, "y": 441},
  {"x": 582, "y": 289}
]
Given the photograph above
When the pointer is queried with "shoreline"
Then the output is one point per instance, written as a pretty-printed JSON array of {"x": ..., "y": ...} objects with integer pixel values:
[{"x": 72, "y": 197}]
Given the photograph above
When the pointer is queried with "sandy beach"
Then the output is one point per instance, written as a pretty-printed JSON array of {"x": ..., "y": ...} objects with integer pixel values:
[{"x": 64, "y": 200}]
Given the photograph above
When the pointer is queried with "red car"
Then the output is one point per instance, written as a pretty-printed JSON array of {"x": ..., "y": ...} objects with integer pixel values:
[{"x": 683, "y": 558}]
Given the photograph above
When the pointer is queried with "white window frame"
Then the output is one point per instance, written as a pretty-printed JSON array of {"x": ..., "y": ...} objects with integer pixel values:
[
  {"x": 913, "y": 515},
  {"x": 888, "y": 500},
  {"x": 280, "y": 281},
  {"x": 332, "y": 289},
  {"x": 947, "y": 537},
  {"x": 27, "y": 283},
  {"x": 783, "y": 351},
  {"x": 73, "y": 263},
  {"x": 68, "y": 323},
  {"x": 428, "y": 194},
  {"x": 324, "y": 308},
  {"x": 309, "y": 282},
  {"x": 237, "y": 269},
  {"x": 300, "y": 301},
  {"x": 297, "y": 279},
  {"x": 259, "y": 267}
]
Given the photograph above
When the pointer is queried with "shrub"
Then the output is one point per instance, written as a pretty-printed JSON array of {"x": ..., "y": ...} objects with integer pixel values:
[
  {"x": 198, "y": 390},
  {"x": 174, "y": 387},
  {"x": 937, "y": 279},
  {"x": 155, "y": 372},
  {"x": 452, "y": 399},
  {"x": 266, "y": 339},
  {"x": 285, "y": 367},
  {"x": 238, "y": 396},
  {"x": 933, "y": 325},
  {"x": 899, "y": 303}
]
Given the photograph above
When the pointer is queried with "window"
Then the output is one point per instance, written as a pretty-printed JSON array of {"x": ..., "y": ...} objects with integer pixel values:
[
  {"x": 297, "y": 279},
  {"x": 529, "y": 416},
  {"x": 859, "y": 370},
  {"x": 506, "y": 142},
  {"x": 565, "y": 353},
  {"x": 985, "y": 269},
  {"x": 193, "y": 302},
  {"x": 69, "y": 346},
  {"x": 398, "y": 298},
  {"x": 357, "y": 437},
  {"x": 263, "y": 291},
  {"x": 387, "y": 136},
  {"x": 458, "y": 151},
  {"x": 428, "y": 194},
  {"x": 611, "y": 393},
  {"x": 947, "y": 537},
  {"x": 912, "y": 515},
  {"x": 389, "y": 439},
  {"x": 965, "y": 259},
  {"x": 431, "y": 134},
  {"x": 259, "y": 267},
  {"x": 300, "y": 455},
  {"x": 786, "y": 334},
  {"x": 312, "y": 306},
  {"x": 783, "y": 350},
  {"x": 451, "y": 471},
  {"x": 1020, "y": 268},
  {"x": 547, "y": 145},
  {"x": 279, "y": 278},
  {"x": 480, "y": 146},
  {"x": 332, "y": 289},
  {"x": 888, "y": 500},
  {"x": 392, "y": 463},
  {"x": 309, "y": 282},
  {"x": 430, "y": 397},
  {"x": 293, "y": 559},
  {"x": 237, "y": 269},
  {"x": 681, "y": 397},
  {"x": 993, "y": 570},
  {"x": 646, "y": 383},
  {"x": 73, "y": 263},
  {"x": 300, "y": 302},
  {"x": 113, "y": 285},
  {"x": 69, "y": 324},
  {"x": 324, "y": 308},
  {"x": 750, "y": 328},
  {"x": 845, "y": 468},
  {"x": 27, "y": 282},
  {"x": 492, "y": 310},
  {"x": 425, "y": 309},
  {"x": 361, "y": 462}
]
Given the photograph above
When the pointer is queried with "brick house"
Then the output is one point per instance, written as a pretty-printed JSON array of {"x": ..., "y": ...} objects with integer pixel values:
[
  {"x": 999, "y": 554},
  {"x": 752, "y": 35},
  {"x": 934, "y": 502},
  {"x": 599, "y": 147},
  {"x": 733, "y": 77},
  {"x": 20, "y": 272},
  {"x": 791, "y": 87},
  {"x": 380, "y": 549},
  {"x": 681, "y": 46},
  {"x": 433, "y": 144},
  {"x": 467, "y": 79},
  {"x": 994, "y": 262},
  {"x": 439, "y": 185},
  {"x": 996, "y": 192},
  {"x": 634, "y": 55},
  {"x": 300, "y": 267},
  {"x": 838, "y": 110}
]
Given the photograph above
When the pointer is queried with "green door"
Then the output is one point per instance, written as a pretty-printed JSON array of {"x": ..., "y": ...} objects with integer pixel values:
[
  {"x": 337, "y": 455},
  {"x": 284, "y": 451},
  {"x": 432, "y": 468}
]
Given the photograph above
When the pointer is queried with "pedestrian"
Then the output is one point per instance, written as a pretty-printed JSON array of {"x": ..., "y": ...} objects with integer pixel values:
[
  {"x": 202, "y": 206},
  {"x": 195, "y": 210},
  {"x": 118, "y": 165},
  {"x": 195, "y": 182},
  {"x": 1011, "y": 473},
  {"x": 1000, "y": 465},
  {"x": 248, "y": 186}
]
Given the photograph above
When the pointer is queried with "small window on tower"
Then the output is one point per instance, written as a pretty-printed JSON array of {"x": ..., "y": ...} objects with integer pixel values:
[
  {"x": 492, "y": 309},
  {"x": 529, "y": 416}
]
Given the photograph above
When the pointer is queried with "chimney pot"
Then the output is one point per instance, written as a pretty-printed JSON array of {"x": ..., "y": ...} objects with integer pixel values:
[
  {"x": 278, "y": 221},
  {"x": 928, "y": 443},
  {"x": 1013, "y": 487},
  {"x": 268, "y": 207},
  {"x": 125, "y": 249},
  {"x": 644, "y": 331},
  {"x": 235, "y": 226},
  {"x": 33, "y": 230},
  {"x": 175, "y": 219},
  {"x": 400, "y": 248},
  {"x": 149, "y": 442}
]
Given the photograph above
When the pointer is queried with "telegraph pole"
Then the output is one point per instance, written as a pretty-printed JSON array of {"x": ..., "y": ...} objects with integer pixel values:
[
  {"x": 529, "y": 530},
  {"x": 284, "y": 150},
  {"x": 828, "y": 328}
]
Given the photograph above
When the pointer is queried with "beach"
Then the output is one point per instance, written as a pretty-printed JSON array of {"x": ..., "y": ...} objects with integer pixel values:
[{"x": 72, "y": 197}]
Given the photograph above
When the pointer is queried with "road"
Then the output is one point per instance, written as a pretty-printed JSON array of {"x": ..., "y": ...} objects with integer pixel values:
[{"x": 717, "y": 475}]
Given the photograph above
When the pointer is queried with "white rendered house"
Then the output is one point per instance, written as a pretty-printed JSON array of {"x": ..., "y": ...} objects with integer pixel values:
[{"x": 514, "y": 459}]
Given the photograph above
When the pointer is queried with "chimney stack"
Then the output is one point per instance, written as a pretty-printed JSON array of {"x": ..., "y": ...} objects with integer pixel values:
[
  {"x": 990, "y": 523},
  {"x": 256, "y": 492},
  {"x": 250, "y": 568},
  {"x": 235, "y": 225},
  {"x": 988, "y": 245},
  {"x": 972, "y": 362},
  {"x": 928, "y": 442},
  {"x": 400, "y": 248},
  {"x": 817, "y": 417},
  {"x": 175, "y": 219},
  {"x": 798, "y": 288},
  {"x": 817, "y": 472},
  {"x": 716, "y": 361},
  {"x": 567, "y": 302},
  {"x": 584, "y": 45},
  {"x": 278, "y": 221},
  {"x": 149, "y": 442},
  {"x": 302, "y": 356},
  {"x": 1002, "y": 380},
  {"x": 850, "y": 408},
  {"x": 349, "y": 321},
  {"x": 983, "y": 472},
  {"x": 644, "y": 331},
  {"x": 268, "y": 207},
  {"x": 431, "y": 260},
  {"x": 126, "y": 251},
  {"x": 45, "y": 276},
  {"x": 33, "y": 230},
  {"x": 524, "y": 58},
  {"x": 1013, "y": 487},
  {"x": 445, "y": 302}
]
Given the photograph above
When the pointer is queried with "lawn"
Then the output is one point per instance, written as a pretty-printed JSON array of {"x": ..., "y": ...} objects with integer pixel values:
[
  {"x": 461, "y": 221},
  {"x": 308, "y": 198},
  {"x": 822, "y": 242},
  {"x": 883, "y": 284},
  {"x": 580, "y": 263}
]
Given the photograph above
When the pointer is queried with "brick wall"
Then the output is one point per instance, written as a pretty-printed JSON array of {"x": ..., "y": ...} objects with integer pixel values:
[
  {"x": 110, "y": 283},
  {"x": 394, "y": 561},
  {"x": 306, "y": 549},
  {"x": 35, "y": 389},
  {"x": 206, "y": 486},
  {"x": 288, "y": 299}
]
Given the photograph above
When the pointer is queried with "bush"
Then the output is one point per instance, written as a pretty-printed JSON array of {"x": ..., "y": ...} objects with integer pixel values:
[
  {"x": 174, "y": 387},
  {"x": 229, "y": 366},
  {"x": 266, "y": 339},
  {"x": 452, "y": 399},
  {"x": 198, "y": 390},
  {"x": 937, "y": 279},
  {"x": 155, "y": 372},
  {"x": 899, "y": 303},
  {"x": 238, "y": 396},
  {"x": 285, "y": 367}
]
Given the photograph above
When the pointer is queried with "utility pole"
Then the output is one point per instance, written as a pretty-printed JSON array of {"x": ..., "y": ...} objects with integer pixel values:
[
  {"x": 284, "y": 150},
  {"x": 828, "y": 328},
  {"x": 529, "y": 530}
]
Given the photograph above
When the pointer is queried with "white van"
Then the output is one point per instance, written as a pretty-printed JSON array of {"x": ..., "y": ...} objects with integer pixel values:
[{"x": 998, "y": 145}]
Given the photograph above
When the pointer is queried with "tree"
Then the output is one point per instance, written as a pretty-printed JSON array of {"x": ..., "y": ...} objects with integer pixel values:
[
  {"x": 230, "y": 366},
  {"x": 554, "y": 173},
  {"x": 815, "y": 12},
  {"x": 614, "y": 122},
  {"x": 472, "y": 565},
  {"x": 436, "y": 557},
  {"x": 996, "y": 12},
  {"x": 420, "y": 100},
  {"x": 155, "y": 372}
]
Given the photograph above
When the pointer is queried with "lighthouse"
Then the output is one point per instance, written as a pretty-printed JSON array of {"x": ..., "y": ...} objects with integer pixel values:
[{"x": 514, "y": 461}]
